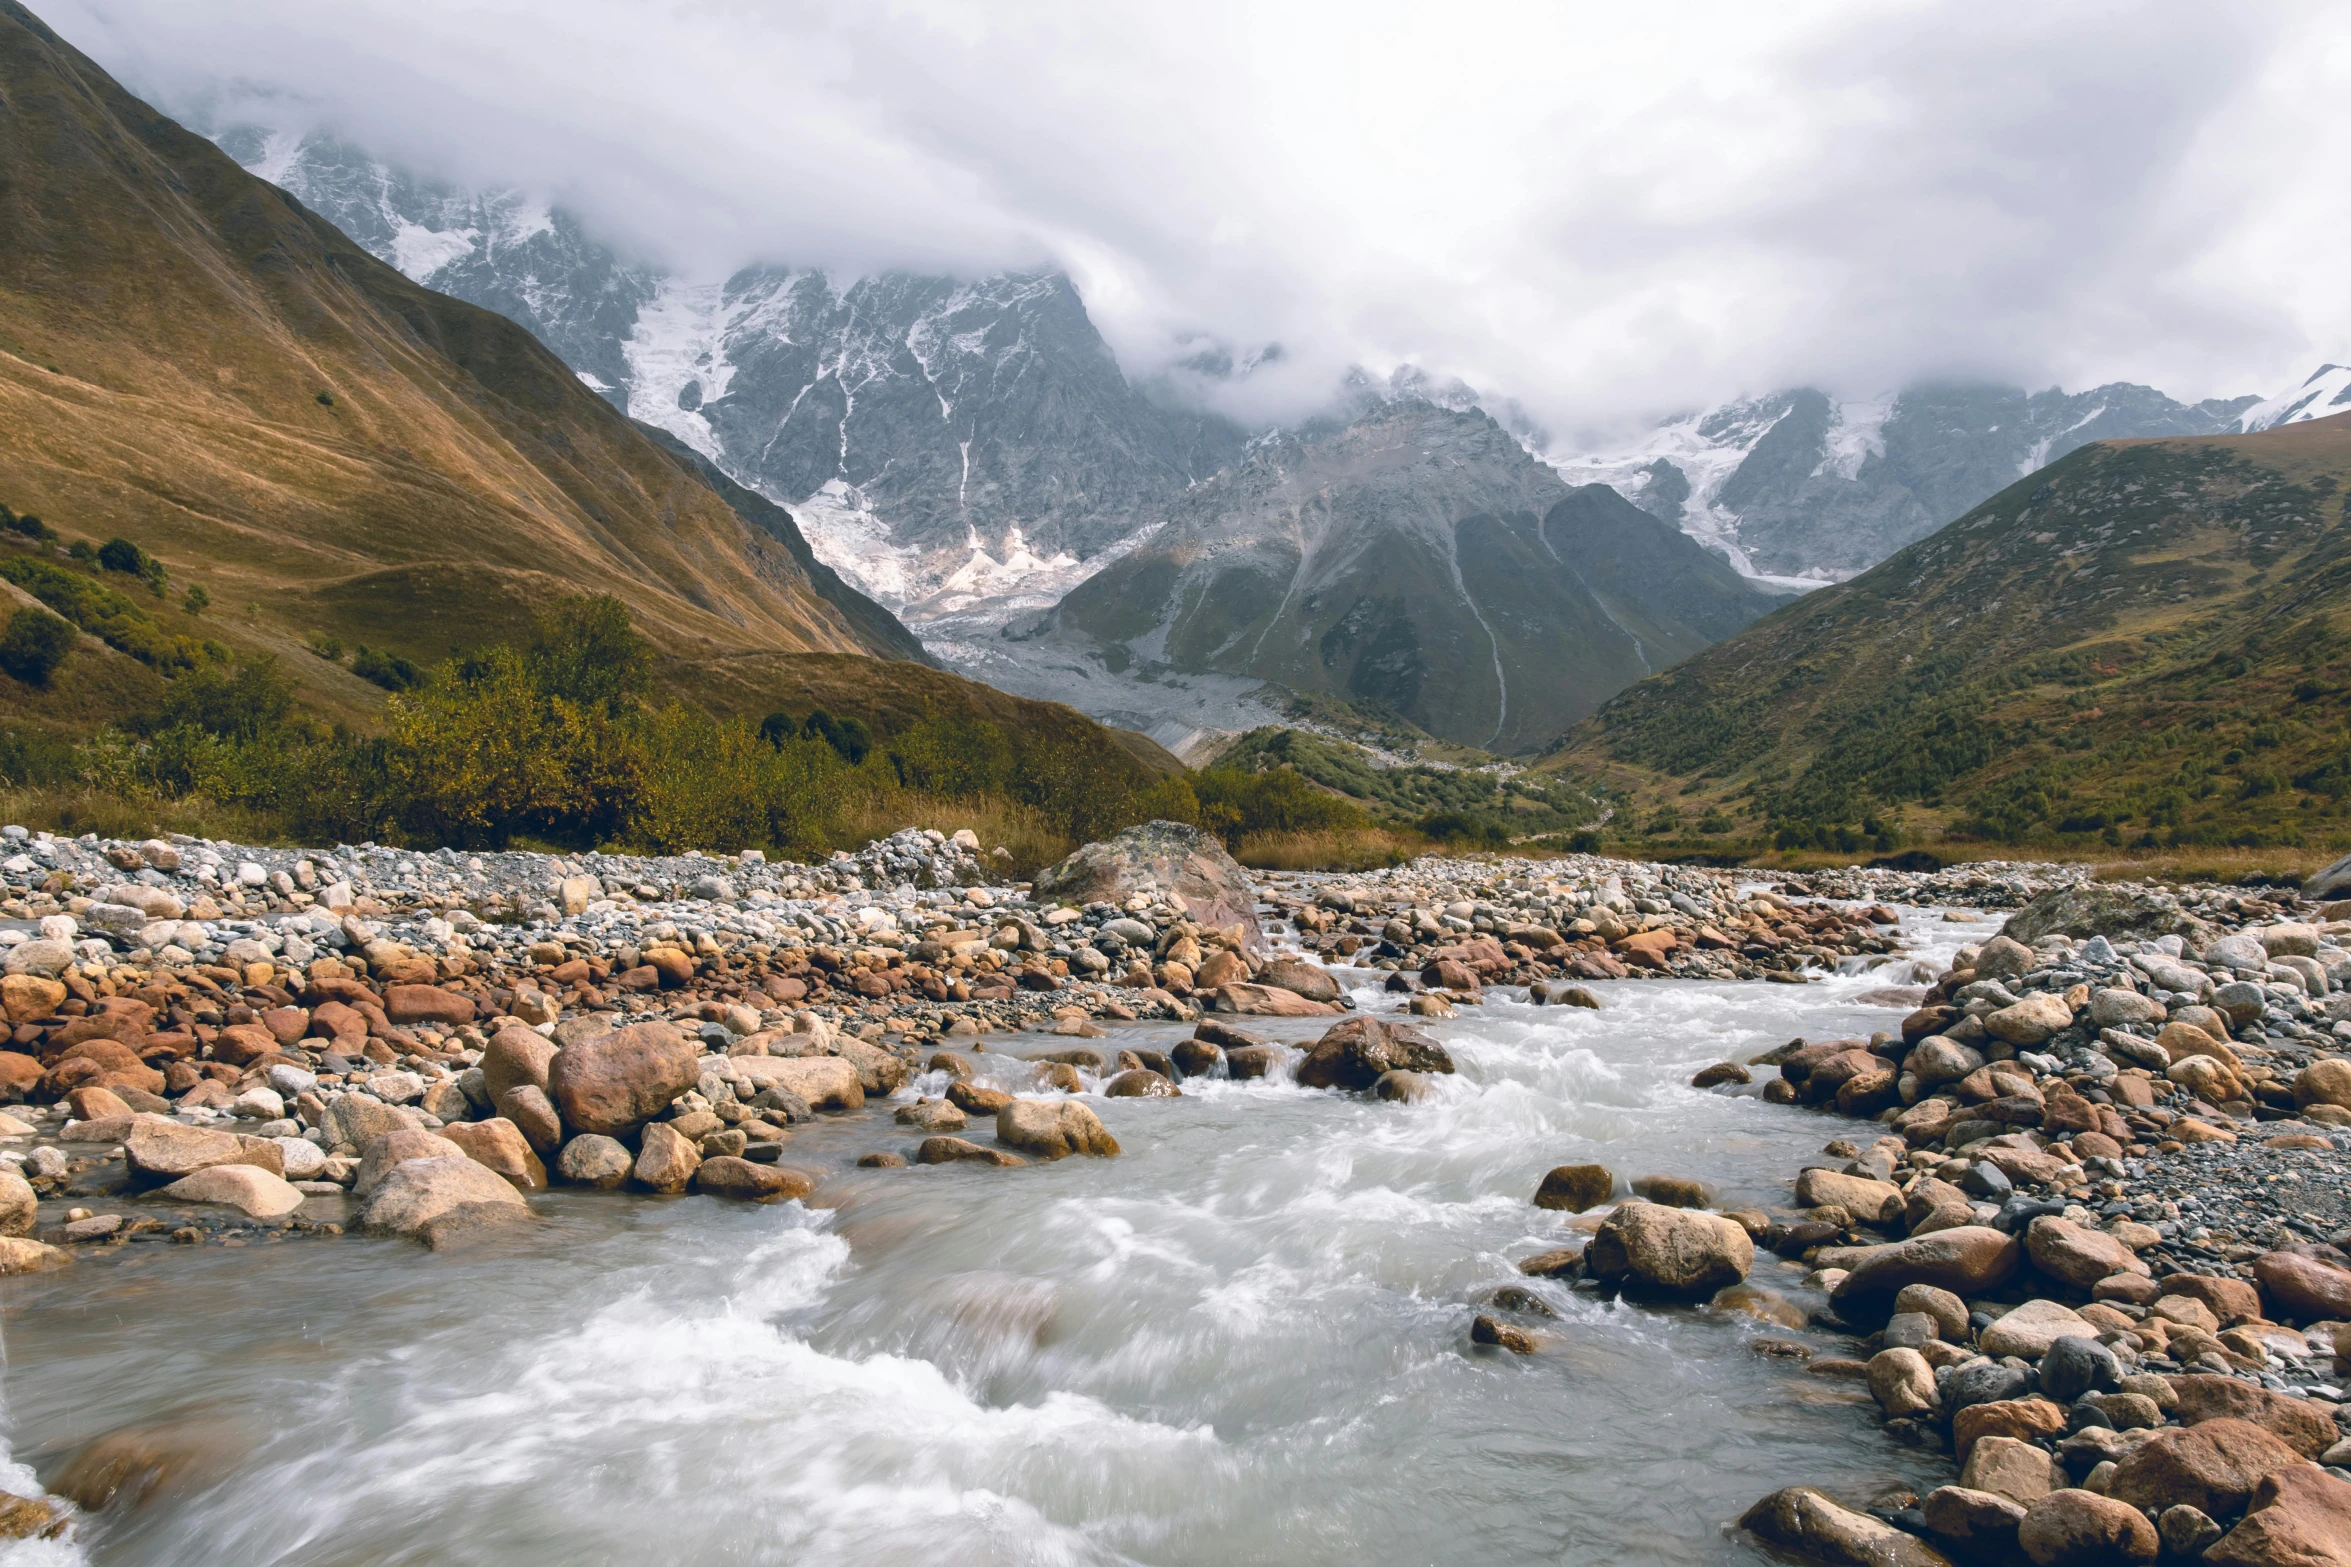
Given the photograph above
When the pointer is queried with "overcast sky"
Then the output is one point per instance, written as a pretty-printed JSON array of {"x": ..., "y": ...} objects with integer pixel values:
[{"x": 1609, "y": 212}]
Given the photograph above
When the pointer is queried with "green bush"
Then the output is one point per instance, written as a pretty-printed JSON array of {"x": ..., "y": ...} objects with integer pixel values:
[
  {"x": 388, "y": 670},
  {"x": 104, "y": 613},
  {"x": 34, "y": 644}
]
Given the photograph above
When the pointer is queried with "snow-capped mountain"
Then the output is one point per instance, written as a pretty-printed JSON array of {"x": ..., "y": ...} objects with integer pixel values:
[
  {"x": 2327, "y": 392},
  {"x": 942, "y": 442},
  {"x": 1800, "y": 484}
]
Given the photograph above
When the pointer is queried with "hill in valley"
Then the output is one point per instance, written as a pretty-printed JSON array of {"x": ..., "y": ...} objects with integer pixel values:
[
  {"x": 192, "y": 361},
  {"x": 2147, "y": 643},
  {"x": 1420, "y": 559}
]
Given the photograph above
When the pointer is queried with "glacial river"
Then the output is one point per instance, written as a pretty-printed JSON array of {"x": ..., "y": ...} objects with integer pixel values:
[{"x": 1245, "y": 1341}]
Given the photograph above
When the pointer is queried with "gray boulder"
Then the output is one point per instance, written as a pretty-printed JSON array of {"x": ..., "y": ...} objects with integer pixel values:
[
  {"x": 1160, "y": 858},
  {"x": 2091, "y": 909}
]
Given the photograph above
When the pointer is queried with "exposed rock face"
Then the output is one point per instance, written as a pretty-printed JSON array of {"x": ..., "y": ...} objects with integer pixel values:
[
  {"x": 1417, "y": 557},
  {"x": 1670, "y": 1251},
  {"x": 1356, "y": 1051},
  {"x": 616, "y": 1083},
  {"x": 1159, "y": 858}
]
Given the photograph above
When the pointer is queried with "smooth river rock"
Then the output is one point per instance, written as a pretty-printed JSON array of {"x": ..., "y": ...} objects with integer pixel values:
[
  {"x": 1806, "y": 1524},
  {"x": 1678, "y": 1252},
  {"x": 1054, "y": 1129},
  {"x": 616, "y": 1083},
  {"x": 435, "y": 1199}
]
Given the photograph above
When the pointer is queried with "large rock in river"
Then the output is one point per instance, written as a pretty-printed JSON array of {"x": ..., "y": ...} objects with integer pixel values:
[
  {"x": 616, "y": 1083},
  {"x": 432, "y": 1199},
  {"x": 1354, "y": 1053},
  {"x": 1054, "y": 1129},
  {"x": 1161, "y": 858},
  {"x": 1669, "y": 1251}
]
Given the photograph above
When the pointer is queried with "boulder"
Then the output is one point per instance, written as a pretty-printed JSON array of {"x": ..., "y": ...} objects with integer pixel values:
[
  {"x": 433, "y": 1199},
  {"x": 740, "y": 1179},
  {"x": 19, "y": 1203},
  {"x": 2031, "y": 1021},
  {"x": 2304, "y": 1289},
  {"x": 164, "y": 1150},
  {"x": 1677, "y": 1252},
  {"x": 2089, "y": 909},
  {"x": 2115, "y": 1007},
  {"x": 513, "y": 1057},
  {"x": 1268, "y": 1001},
  {"x": 2083, "y": 1529},
  {"x": 592, "y": 1159},
  {"x": 2298, "y": 1517},
  {"x": 19, "y": 1254},
  {"x": 2213, "y": 1467},
  {"x": 534, "y": 1115},
  {"x": 248, "y": 1189},
  {"x": 2073, "y": 1367},
  {"x": 2076, "y": 1254},
  {"x": 2006, "y": 1466},
  {"x": 1947, "y": 1311},
  {"x": 1573, "y": 1188},
  {"x": 396, "y": 1148},
  {"x": 879, "y": 1072},
  {"x": 2325, "y": 1082},
  {"x": 1980, "y": 1525},
  {"x": 2025, "y": 1419},
  {"x": 1054, "y": 1129},
  {"x": 2003, "y": 957},
  {"x": 1901, "y": 1381},
  {"x": 2302, "y": 1424},
  {"x": 1160, "y": 859},
  {"x": 1140, "y": 1084},
  {"x": 2031, "y": 1328},
  {"x": 977, "y": 1098},
  {"x": 826, "y": 1082},
  {"x": 1353, "y": 1054},
  {"x": 1969, "y": 1260},
  {"x": 1671, "y": 1191},
  {"x": 614, "y": 1084},
  {"x": 957, "y": 1150},
  {"x": 1310, "y": 980},
  {"x": 427, "y": 1004},
  {"x": 1806, "y": 1524},
  {"x": 932, "y": 1115},
  {"x": 26, "y": 998},
  {"x": 666, "y": 1162},
  {"x": 1721, "y": 1074},
  {"x": 1870, "y": 1201},
  {"x": 499, "y": 1145}
]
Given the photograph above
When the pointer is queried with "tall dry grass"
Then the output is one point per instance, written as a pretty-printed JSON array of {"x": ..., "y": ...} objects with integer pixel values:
[
  {"x": 74, "y": 809},
  {"x": 1333, "y": 849}
]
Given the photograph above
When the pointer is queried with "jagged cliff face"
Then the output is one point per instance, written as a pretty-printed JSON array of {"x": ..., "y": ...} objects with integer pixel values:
[
  {"x": 1418, "y": 558},
  {"x": 1798, "y": 484},
  {"x": 944, "y": 443}
]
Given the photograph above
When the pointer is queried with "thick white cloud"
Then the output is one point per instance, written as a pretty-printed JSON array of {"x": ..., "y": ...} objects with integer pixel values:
[{"x": 1604, "y": 211}]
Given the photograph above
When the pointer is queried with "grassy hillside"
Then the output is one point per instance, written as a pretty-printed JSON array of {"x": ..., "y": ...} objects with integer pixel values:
[
  {"x": 191, "y": 361},
  {"x": 2145, "y": 646}
]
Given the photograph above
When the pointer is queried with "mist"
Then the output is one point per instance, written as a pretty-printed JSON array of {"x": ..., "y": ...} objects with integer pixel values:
[{"x": 1607, "y": 214}]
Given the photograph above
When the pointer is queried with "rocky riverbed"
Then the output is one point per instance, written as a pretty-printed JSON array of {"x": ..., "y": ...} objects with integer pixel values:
[{"x": 216, "y": 1046}]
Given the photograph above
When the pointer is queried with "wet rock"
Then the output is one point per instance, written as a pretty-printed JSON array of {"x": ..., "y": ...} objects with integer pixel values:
[
  {"x": 1671, "y": 1191},
  {"x": 29, "y": 1518},
  {"x": 134, "y": 1465},
  {"x": 431, "y": 1199},
  {"x": 2213, "y": 1467},
  {"x": 1403, "y": 1087},
  {"x": 1196, "y": 1057},
  {"x": 1870, "y": 1201},
  {"x": 2076, "y": 1254},
  {"x": 1574, "y": 1188},
  {"x": 1353, "y": 1054},
  {"x": 1160, "y": 858},
  {"x": 1501, "y": 1335},
  {"x": 163, "y": 1150},
  {"x": 19, "y": 1203},
  {"x": 1947, "y": 1310},
  {"x": 592, "y": 1159},
  {"x": 956, "y": 1150},
  {"x": 21, "y": 1254},
  {"x": 1244, "y": 1062},
  {"x": 744, "y": 1181},
  {"x": 1140, "y": 1084},
  {"x": 1971, "y": 1260},
  {"x": 1669, "y": 1251},
  {"x": 977, "y": 1098},
  {"x": 498, "y": 1145},
  {"x": 1977, "y": 1524},
  {"x": 613, "y": 1084},
  {"x": 1054, "y": 1129},
  {"x": 1721, "y": 1073},
  {"x": 1310, "y": 980},
  {"x": 1902, "y": 1382},
  {"x": 666, "y": 1161},
  {"x": 1552, "y": 1264},
  {"x": 394, "y": 1147},
  {"x": 2299, "y": 1517},
  {"x": 2083, "y": 1529},
  {"x": 253, "y": 1192},
  {"x": 882, "y": 1161},
  {"x": 1805, "y": 1523},
  {"x": 1556, "y": 994},
  {"x": 932, "y": 1115}
]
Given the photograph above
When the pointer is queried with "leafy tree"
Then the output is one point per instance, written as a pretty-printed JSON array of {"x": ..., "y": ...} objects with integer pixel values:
[
  {"x": 35, "y": 643},
  {"x": 583, "y": 649},
  {"x": 847, "y": 736}
]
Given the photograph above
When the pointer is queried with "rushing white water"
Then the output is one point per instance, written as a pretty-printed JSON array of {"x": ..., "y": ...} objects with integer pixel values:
[{"x": 1244, "y": 1341}]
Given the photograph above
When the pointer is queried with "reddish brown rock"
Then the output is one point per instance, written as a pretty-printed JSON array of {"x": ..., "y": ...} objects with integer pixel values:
[
  {"x": 1969, "y": 1260},
  {"x": 2084, "y": 1529},
  {"x": 2026, "y": 1419},
  {"x": 499, "y": 1145},
  {"x": 427, "y": 1004},
  {"x": 2299, "y": 1517},
  {"x": 513, "y": 1057},
  {"x": 2305, "y": 1289},
  {"x": 2213, "y": 1467},
  {"x": 615, "y": 1083},
  {"x": 727, "y": 1176},
  {"x": 1354, "y": 1053},
  {"x": 2302, "y": 1424}
]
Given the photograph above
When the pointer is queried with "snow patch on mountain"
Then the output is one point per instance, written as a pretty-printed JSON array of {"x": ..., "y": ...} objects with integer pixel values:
[{"x": 2326, "y": 392}]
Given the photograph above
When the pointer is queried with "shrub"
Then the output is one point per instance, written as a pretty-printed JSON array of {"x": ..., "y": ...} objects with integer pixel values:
[
  {"x": 847, "y": 736},
  {"x": 34, "y": 644},
  {"x": 325, "y": 645},
  {"x": 197, "y": 600},
  {"x": 103, "y": 613},
  {"x": 388, "y": 670},
  {"x": 583, "y": 649}
]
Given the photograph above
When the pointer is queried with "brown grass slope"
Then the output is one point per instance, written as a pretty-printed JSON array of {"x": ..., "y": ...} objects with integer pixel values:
[
  {"x": 2149, "y": 641},
  {"x": 192, "y": 360}
]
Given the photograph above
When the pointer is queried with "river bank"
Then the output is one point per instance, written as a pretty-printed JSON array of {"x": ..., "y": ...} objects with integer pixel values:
[{"x": 1531, "y": 1077}]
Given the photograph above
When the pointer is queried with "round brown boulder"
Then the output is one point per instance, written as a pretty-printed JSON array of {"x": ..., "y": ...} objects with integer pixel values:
[
  {"x": 728, "y": 1176},
  {"x": 2212, "y": 1467},
  {"x": 499, "y": 1146},
  {"x": 1572, "y": 1188},
  {"x": 2304, "y": 1289},
  {"x": 1809, "y": 1526},
  {"x": 2077, "y": 1254},
  {"x": 2084, "y": 1529},
  {"x": 513, "y": 1057},
  {"x": 1675, "y": 1252},
  {"x": 592, "y": 1159},
  {"x": 1141, "y": 1083},
  {"x": 418, "y": 1193},
  {"x": 1054, "y": 1129},
  {"x": 1720, "y": 1073},
  {"x": 1356, "y": 1051},
  {"x": 614, "y": 1084},
  {"x": 977, "y": 1098},
  {"x": 1969, "y": 1260}
]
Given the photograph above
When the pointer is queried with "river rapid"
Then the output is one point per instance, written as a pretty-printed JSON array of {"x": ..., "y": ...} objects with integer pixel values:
[{"x": 1244, "y": 1341}]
